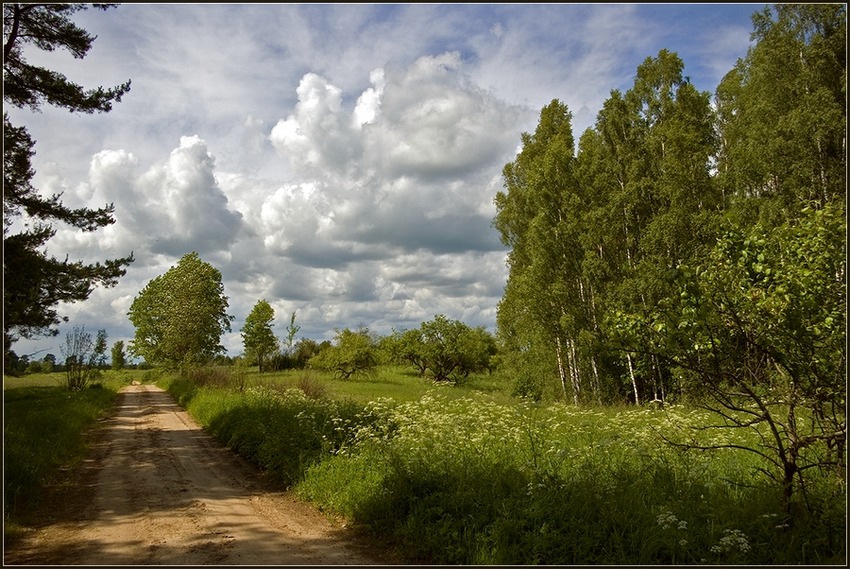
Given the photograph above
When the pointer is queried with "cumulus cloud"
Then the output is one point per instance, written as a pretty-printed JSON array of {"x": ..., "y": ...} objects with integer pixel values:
[
  {"x": 337, "y": 160},
  {"x": 408, "y": 168},
  {"x": 174, "y": 208}
]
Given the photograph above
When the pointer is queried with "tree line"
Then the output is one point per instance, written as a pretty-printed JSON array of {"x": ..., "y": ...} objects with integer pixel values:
[
  {"x": 180, "y": 316},
  {"x": 695, "y": 250},
  {"x": 666, "y": 195}
]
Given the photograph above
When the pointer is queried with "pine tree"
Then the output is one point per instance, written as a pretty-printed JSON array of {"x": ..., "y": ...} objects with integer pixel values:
[{"x": 35, "y": 283}]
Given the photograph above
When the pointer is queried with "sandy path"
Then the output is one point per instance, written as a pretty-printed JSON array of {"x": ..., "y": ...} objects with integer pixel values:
[{"x": 156, "y": 489}]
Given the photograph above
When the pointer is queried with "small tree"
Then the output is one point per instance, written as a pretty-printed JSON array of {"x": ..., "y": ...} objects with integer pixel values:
[
  {"x": 760, "y": 335},
  {"x": 353, "y": 353},
  {"x": 257, "y": 335},
  {"x": 449, "y": 349},
  {"x": 83, "y": 357},
  {"x": 119, "y": 358},
  {"x": 291, "y": 331}
]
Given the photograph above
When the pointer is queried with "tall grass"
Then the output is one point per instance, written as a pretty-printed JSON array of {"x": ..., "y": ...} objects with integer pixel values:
[
  {"x": 471, "y": 482},
  {"x": 455, "y": 477},
  {"x": 282, "y": 430},
  {"x": 44, "y": 428}
]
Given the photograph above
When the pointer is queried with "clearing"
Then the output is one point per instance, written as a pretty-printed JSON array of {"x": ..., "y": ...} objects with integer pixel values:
[{"x": 156, "y": 489}]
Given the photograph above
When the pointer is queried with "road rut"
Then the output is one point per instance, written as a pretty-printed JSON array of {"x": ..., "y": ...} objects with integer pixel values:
[{"x": 156, "y": 489}]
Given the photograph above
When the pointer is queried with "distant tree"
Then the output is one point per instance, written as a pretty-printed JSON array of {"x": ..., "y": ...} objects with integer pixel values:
[
  {"x": 119, "y": 358},
  {"x": 47, "y": 365},
  {"x": 83, "y": 357},
  {"x": 257, "y": 336},
  {"x": 180, "y": 316},
  {"x": 352, "y": 353},
  {"x": 35, "y": 366},
  {"x": 305, "y": 349},
  {"x": 451, "y": 350},
  {"x": 291, "y": 331},
  {"x": 406, "y": 347},
  {"x": 34, "y": 283}
]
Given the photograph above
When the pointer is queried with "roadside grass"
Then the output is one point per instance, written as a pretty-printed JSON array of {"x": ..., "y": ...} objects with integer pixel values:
[
  {"x": 44, "y": 435},
  {"x": 468, "y": 481},
  {"x": 463, "y": 474},
  {"x": 449, "y": 475}
]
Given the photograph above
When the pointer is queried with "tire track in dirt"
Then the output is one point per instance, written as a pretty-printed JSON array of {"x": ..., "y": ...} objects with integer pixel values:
[{"x": 156, "y": 489}]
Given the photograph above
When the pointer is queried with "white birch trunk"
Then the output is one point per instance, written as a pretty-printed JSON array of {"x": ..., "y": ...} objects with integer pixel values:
[{"x": 632, "y": 376}]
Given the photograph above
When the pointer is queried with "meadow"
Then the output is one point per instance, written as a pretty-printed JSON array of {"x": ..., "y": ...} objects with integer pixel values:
[{"x": 469, "y": 475}]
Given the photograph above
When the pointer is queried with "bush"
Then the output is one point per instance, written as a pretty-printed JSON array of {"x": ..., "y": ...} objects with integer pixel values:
[
  {"x": 353, "y": 353},
  {"x": 283, "y": 433},
  {"x": 215, "y": 376}
]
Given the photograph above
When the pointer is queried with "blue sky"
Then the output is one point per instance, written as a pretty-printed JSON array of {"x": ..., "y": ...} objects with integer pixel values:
[{"x": 337, "y": 160}]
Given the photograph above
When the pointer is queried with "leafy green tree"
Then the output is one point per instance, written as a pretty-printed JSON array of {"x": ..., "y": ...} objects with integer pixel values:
[
  {"x": 180, "y": 316},
  {"x": 35, "y": 283},
  {"x": 537, "y": 217},
  {"x": 782, "y": 113},
  {"x": 83, "y": 357},
  {"x": 352, "y": 353},
  {"x": 452, "y": 350},
  {"x": 759, "y": 332},
  {"x": 756, "y": 327},
  {"x": 305, "y": 348},
  {"x": 119, "y": 358},
  {"x": 449, "y": 349},
  {"x": 257, "y": 335},
  {"x": 405, "y": 347},
  {"x": 667, "y": 195}
]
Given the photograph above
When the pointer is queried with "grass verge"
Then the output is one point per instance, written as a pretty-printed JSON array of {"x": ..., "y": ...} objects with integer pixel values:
[
  {"x": 459, "y": 478},
  {"x": 44, "y": 436}
]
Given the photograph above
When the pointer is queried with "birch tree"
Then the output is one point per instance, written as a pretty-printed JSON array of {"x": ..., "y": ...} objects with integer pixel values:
[{"x": 538, "y": 218}]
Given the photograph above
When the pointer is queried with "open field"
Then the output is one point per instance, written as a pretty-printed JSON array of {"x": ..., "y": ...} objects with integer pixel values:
[{"x": 469, "y": 475}]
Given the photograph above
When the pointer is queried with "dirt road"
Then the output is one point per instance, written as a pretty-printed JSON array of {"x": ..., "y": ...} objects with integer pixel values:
[{"x": 156, "y": 489}]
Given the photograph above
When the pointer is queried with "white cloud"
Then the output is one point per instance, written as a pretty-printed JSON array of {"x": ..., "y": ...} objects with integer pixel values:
[{"x": 337, "y": 160}]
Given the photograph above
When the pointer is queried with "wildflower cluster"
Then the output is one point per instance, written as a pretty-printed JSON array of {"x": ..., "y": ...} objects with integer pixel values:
[
  {"x": 733, "y": 541},
  {"x": 667, "y": 520}
]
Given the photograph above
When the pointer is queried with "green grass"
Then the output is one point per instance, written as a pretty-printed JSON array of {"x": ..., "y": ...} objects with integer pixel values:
[
  {"x": 395, "y": 382},
  {"x": 467, "y": 474},
  {"x": 44, "y": 428},
  {"x": 456, "y": 475}
]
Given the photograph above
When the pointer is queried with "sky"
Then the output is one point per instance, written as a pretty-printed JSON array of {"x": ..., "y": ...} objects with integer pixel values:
[{"x": 337, "y": 160}]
